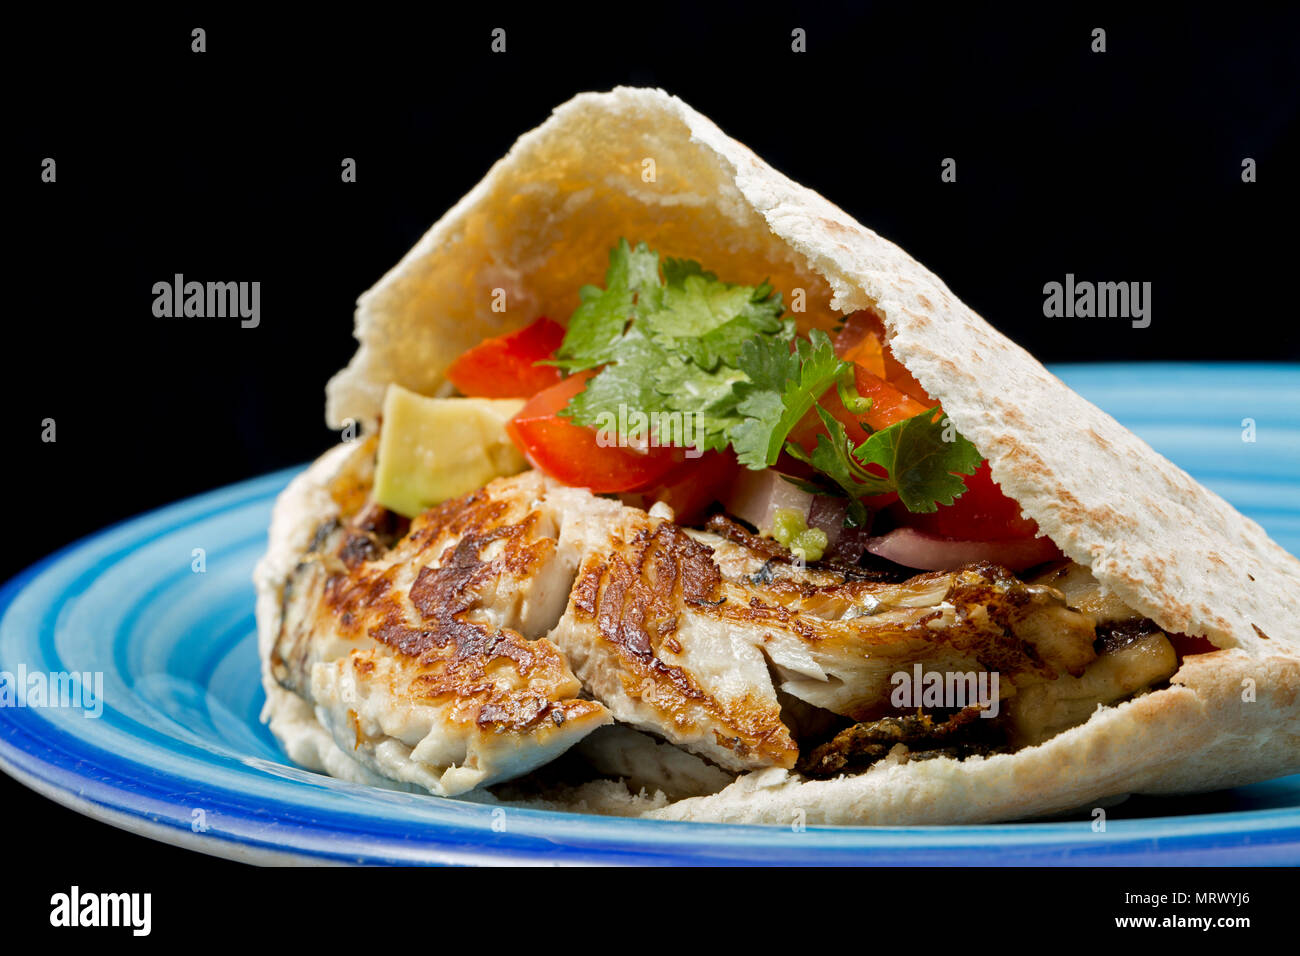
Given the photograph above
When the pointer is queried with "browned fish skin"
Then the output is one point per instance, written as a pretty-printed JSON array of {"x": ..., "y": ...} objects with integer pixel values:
[
  {"x": 628, "y": 607},
  {"x": 414, "y": 654},
  {"x": 853, "y": 636}
]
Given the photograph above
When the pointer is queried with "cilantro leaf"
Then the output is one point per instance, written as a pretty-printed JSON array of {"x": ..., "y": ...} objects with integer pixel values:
[
  {"x": 922, "y": 461},
  {"x": 709, "y": 397},
  {"x": 667, "y": 345},
  {"x": 622, "y": 383},
  {"x": 781, "y": 391},
  {"x": 597, "y": 326},
  {"x": 833, "y": 457},
  {"x": 706, "y": 320},
  {"x": 924, "y": 458},
  {"x": 677, "y": 271},
  {"x": 633, "y": 268}
]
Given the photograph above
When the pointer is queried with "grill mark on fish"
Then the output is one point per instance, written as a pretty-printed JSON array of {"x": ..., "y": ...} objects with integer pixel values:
[
  {"x": 635, "y": 618},
  {"x": 635, "y": 596},
  {"x": 408, "y": 641}
]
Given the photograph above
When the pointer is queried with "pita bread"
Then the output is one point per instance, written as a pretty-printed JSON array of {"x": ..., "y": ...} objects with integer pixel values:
[{"x": 540, "y": 225}]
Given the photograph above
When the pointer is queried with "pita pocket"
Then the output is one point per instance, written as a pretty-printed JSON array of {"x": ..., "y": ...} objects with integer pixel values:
[{"x": 1145, "y": 537}]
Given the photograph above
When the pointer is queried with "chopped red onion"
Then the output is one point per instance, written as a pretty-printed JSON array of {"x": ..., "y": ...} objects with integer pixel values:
[
  {"x": 755, "y": 496},
  {"x": 927, "y": 552},
  {"x": 827, "y": 513}
]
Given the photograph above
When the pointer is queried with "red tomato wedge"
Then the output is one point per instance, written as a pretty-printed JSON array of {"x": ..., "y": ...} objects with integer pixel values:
[
  {"x": 862, "y": 341},
  {"x": 573, "y": 454},
  {"x": 982, "y": 513},
  {"x": 888, "y": 405},
  {"x": 695, "y": 484},
  {"x": 504, "y": 367}
]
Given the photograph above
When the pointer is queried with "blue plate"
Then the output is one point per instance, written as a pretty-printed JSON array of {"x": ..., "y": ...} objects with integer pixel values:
[{"x": 178, "y": 753}]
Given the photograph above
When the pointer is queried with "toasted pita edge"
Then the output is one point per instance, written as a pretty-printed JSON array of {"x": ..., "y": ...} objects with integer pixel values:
[{"x": 298, "y": 511}]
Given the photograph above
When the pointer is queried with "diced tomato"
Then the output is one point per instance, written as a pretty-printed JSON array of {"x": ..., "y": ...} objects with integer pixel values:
[
  {"x": 903, "y": 380},
  {"x": 572, "y": 453},
  {"x": 695, "y": 484},
  {"x": 862, "y": 341},
  {"x": 982, "y": 513},
  {"x": 879, "y": 502},
  {"x": 504, "y": 367},
  {"x": 888, "y": 405}
]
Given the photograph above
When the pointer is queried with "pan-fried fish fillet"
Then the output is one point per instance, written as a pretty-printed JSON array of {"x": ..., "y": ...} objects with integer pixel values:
[
  {"x": 421, "y": 659},
  {"x": 643, "y": 635},
  {"x": 683, "y": 634},
  {"x": 455, "y": 657}
]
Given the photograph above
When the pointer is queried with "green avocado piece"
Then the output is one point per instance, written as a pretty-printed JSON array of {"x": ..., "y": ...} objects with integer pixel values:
[
  {"x": 433, "y": 449},
  {"x": 791, "y": 529}
]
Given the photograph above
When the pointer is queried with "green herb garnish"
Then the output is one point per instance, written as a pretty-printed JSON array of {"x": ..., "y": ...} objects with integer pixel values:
[{"x": 685, "y": 341}]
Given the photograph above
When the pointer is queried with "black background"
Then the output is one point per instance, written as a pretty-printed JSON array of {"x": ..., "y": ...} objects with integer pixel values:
[{"x": 1124, "y": 165}]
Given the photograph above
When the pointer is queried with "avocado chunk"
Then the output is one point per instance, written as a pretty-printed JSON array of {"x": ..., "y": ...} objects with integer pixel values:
[
  {"x": 791, "y": 529},
  {"x": 433, "y": 449}
]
